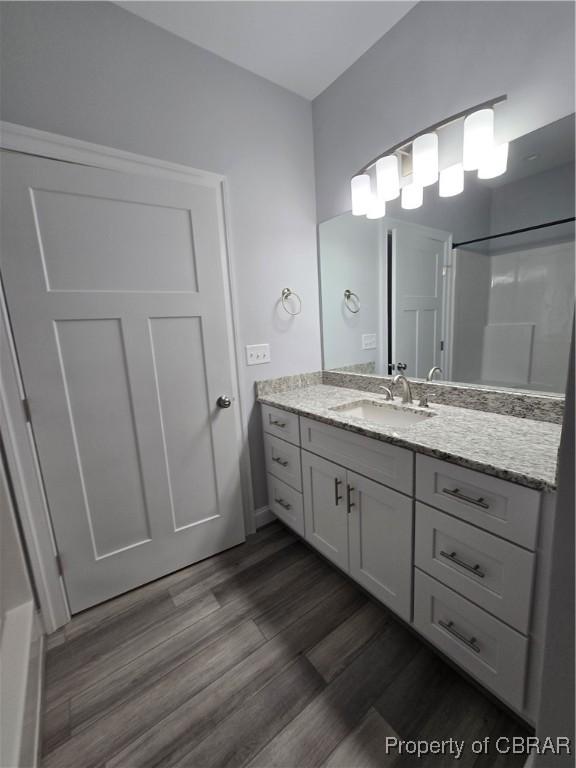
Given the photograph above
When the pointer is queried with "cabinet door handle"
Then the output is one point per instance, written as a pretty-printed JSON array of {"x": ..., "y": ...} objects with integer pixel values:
[
  {"x": 337, "y": 497},
  {"x": 457, "y": 494},
  {"x": 470, "y": 642},
  {"x": 278, "y": 460},
  {"x": 277, "y": 423},
  {"x": 349, "y": 501},
  {"x": 453, "y": 557},
  {"x": 283, "y": 503}
]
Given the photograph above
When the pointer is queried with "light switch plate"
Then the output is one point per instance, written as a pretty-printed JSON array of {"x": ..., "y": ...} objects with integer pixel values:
[
  {"x": 368, "y": 341},
  {"x": 256, "y": 354}
]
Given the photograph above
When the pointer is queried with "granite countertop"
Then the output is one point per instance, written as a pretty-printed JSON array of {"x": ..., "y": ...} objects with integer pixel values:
[{"x": 519, "y": 450}]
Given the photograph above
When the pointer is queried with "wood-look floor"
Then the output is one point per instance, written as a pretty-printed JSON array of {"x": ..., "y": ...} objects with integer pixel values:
[{"x": 264, "y": 655}]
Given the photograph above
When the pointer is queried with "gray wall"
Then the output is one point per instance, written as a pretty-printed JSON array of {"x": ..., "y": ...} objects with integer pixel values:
[
  {"x": 441, "y": 58},
  {"x": 96, "y": 72}
]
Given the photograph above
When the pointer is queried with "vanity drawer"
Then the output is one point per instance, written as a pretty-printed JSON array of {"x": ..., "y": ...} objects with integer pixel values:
[
  {"x": 503, "y": 508},
  {"x": 492, "y": 572},
  {"x": 281, "y": 423},
  {"x": 286, "y": 503},
  {"x": 283, "y": 461},
  {"x": 489, "y": 650},
  {"x": 380, "y": 461}
]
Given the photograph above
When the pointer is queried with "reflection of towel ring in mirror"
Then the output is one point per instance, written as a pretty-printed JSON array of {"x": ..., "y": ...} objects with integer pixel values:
[
  {"x": 348, "y": 294},
  {"x": 287, "y": 293}
]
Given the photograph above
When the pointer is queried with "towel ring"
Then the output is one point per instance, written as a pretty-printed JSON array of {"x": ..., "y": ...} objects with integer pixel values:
[
  {"x": 287, "y": 293},
  {"x": 348, "y": 294}
]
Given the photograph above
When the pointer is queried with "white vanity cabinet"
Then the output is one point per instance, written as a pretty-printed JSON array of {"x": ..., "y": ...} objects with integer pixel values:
[
  {"x": 284, "y": 474},
  {"x": 363, "y": 527},
  {"x": 380, "y": 527},
  {"x": 286, "y": 503},
  {"x": 326, "y": 508},
  {"x": 380, "y": 461},
  {"x": 356, "y": 506},
  {"x": 475, "y": 566},
  {"x": 459, "y": 554},
  {"x": 505, "y": 509}
]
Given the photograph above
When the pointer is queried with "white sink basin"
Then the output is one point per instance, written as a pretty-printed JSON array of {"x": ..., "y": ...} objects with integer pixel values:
[{"x": 383, "y": 413}]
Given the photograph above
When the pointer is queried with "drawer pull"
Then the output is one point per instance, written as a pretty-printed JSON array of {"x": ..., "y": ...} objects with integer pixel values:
[
  {"x": 469, "y": 642},
  {"x": 277, "y": 423},
  {"x": 278, "y": 460},
  {"x": 337, "y": 497},
  {"x": 475, "y": 569},
  {"x": 283, "y": 503},
  {"x": 457, "y": 493}
]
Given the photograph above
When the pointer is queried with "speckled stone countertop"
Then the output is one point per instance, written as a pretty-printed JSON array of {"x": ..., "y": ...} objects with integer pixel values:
[{"x": 520, "y": 450}]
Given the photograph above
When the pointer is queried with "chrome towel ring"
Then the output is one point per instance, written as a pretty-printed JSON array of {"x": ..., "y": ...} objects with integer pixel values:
[
  {"x": 355, "y": 307},
  {"x": 288, "y": 293}
]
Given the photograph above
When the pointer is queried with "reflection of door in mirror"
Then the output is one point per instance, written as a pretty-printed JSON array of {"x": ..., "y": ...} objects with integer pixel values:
[{"x": 419, "y": 311}]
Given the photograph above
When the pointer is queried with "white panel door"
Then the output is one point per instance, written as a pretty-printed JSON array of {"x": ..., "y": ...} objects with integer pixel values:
[
  {"x": 116, "y": 294},
  {"x": 417, "y": 276},
  {"x": 325, "y": 507},
  {"x": 381, "y": 523}
]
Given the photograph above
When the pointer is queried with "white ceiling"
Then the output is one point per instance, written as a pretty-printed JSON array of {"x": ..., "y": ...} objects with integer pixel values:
[{"x": 302, "y": 46}]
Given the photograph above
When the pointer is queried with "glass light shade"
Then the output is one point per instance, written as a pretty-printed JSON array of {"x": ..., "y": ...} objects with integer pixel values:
[
  {"x": 412, "y": 196},
  {"x": 376, "y": 208},
  {"x": 361, "y": 194},
  {"x": 495, "y": 163},
  {"x": 451, "y": 180},
  {"x": 425, "y": 159},
  {"x": 478, "y": 138},
  {"x": 387, "y": 178}
]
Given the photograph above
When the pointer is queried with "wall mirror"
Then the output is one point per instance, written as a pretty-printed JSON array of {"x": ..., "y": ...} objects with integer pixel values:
[{"x": 480, "y": 284}]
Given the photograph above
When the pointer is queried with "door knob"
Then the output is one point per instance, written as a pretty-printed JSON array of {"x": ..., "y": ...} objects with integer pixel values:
[
  {"x": 401, "y": 366},
  {"x": 223, "y": 402}
]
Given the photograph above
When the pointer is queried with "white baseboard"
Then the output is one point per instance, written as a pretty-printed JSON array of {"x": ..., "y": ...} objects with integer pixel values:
[{"x": 263, "y": 516}]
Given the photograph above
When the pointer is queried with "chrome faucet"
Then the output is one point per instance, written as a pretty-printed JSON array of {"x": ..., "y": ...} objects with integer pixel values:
[
  {"x": 434, "y": 370},
  {"x": 406, "y": 391},
  {"x": 387, "y": 391}
]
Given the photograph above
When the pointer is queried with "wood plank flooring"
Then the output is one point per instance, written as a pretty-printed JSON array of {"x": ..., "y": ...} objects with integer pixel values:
[{"x": 262, "y": 656}]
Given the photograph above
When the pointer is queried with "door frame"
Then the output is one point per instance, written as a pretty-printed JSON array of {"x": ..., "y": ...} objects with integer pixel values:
[{"x": 36, "y": 520}]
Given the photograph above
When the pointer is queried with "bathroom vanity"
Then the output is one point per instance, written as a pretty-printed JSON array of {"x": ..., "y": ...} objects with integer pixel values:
[{"x": 443, "y": 513}]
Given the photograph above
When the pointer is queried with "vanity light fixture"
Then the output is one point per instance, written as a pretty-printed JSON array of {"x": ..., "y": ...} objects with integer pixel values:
[
  {"x": 376, "y": 208},
  {"x": 451, "y": 180},
  {"x": 478, "y": 138},
  {"x": 412, "y": 196},
  {"x": 361, "y": 194},
  {"x": 415, "y": 163},
  {"x": 495, "y": 163},
  {"x": 425, "y": 159},
  {"x": 387, "y": 178}
]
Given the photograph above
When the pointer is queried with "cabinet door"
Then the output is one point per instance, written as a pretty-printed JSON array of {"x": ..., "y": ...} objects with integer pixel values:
[
  {"x": 325, "y": 510},
  {"x": 381, "y": 524}
]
